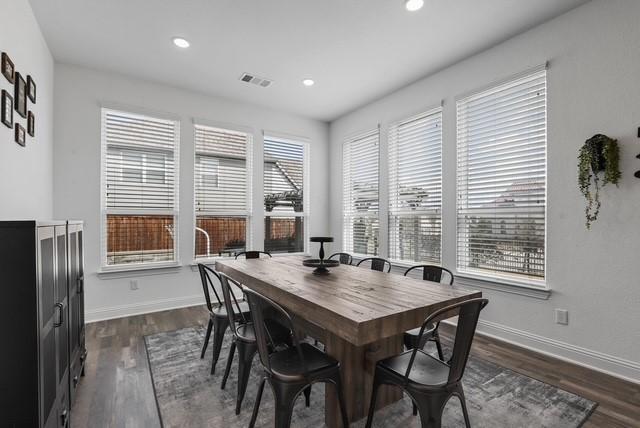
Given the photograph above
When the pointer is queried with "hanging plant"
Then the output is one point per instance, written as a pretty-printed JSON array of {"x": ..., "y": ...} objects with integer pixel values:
[{"x": 598, "y": 165}]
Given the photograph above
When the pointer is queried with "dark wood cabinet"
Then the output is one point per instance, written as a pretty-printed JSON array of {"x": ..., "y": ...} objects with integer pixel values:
[{"x": 41, "y": 322}]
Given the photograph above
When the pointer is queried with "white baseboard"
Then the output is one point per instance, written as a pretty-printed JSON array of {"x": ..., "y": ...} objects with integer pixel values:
[
  {"x": 101, "y": 314},
  {"x": 595, "y": 360}
]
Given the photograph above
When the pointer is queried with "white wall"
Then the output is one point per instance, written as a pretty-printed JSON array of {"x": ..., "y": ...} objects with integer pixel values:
[
  {"x": 593, "y": 87},
  {"x": 79, "y": 94},
  {"x": 26, "y": 172}
]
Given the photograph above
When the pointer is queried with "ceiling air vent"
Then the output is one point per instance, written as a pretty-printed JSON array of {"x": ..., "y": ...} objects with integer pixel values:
[{"x": 259, "y": 81}]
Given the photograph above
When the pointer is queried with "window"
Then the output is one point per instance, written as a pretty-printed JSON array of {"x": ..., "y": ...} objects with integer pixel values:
[
  {"x": 415, "y": 189},
  {"x": 222, "y": 191},
  {"x": 285, "y": 181},
  {"x": 502, "y": 179},
  {"x": 360, "y": 194},
  {"x": 139, "y": 189}
]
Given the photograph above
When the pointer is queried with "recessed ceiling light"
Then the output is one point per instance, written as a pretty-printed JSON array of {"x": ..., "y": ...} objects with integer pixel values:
[
  {"x": 180, "y": 42},
  {"x": 413, "y": 5},
  {"x": 308, "y": 82}
]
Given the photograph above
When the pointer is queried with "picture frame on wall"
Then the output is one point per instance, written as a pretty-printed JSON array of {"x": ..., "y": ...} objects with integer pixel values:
[
  {"x": 7, "y": 67},
  {"x": 21, "y": 136},
  {"x": 31, "y": 89},
  {"x": 31, "y": 124},
  {"x": 20, "y": 96},
  {"x": 7, "y": 109}
]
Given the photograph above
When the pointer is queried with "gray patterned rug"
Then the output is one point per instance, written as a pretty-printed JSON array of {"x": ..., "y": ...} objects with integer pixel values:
[{"x": 188, "y": 396}]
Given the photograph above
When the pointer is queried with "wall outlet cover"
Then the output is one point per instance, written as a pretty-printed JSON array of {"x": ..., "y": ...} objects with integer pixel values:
[
  {"x": 133, "y": 284},
  {"x": 561, "y": 316}
]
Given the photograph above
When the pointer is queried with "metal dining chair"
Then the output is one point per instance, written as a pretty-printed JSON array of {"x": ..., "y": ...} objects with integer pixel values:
[
  {"x": 345, "y": 258},
  {"x": 377, "y": 263},
  {"x": 244, "y": 338},
  {"x": 218, "y": 318},
  {"x": 292, "y": 370},
  {"x": 428, "y": 381},
  {"x": 412, "y": 338},
  {"x": 252, "y": 254}
]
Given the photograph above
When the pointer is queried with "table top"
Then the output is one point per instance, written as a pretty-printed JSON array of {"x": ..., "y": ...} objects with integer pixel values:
[{"x": 355, "y": 303}]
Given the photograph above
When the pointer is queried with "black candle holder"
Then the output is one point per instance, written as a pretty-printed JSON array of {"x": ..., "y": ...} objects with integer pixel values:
[{"x": 320, "y": 263}]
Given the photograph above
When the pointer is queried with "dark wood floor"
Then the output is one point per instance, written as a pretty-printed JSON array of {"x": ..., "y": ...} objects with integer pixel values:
[{"x": 117, "y": 390}]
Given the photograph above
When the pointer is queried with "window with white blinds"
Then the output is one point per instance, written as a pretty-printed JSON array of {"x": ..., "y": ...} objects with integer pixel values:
[
  {"x": 139, "y": 188},
  {"x": 285, "y": 180},
  {"x": 360, "y": 194},
  {"x": 222, "y": 184},
  {"x": 502, "y": 136},
  {"x": 415, "y": 188}
]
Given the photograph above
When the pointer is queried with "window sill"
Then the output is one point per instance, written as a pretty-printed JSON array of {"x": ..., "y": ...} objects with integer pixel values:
[
  {"x": 498, "y": 284},
  {"x": 138, "y": 270}
]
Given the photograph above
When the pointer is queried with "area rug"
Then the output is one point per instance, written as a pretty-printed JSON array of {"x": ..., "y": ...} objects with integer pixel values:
[{"x": 188, "y": 396}]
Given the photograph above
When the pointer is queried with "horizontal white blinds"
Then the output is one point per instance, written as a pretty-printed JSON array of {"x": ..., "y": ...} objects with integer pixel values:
[
  {"x": 222, "y": 171},
  {"x": 140, "y": 188},
  {"x": 139, "y": 163},
  {"x": 502, "y": 178},
  {"x": 283, "y": 176},
  {"x": 415, "y": 188},
  {"x": 360, "y": 194}
]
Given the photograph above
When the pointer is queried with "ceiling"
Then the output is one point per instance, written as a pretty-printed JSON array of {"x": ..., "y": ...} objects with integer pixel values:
[{"x": 355, "y": 50}]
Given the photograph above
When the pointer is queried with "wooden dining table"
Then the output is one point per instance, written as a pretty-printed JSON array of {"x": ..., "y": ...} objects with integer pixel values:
[{"x": 359, "y": 314}]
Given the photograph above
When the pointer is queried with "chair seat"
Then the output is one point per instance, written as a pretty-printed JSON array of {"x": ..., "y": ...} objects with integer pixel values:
[
  {"x": 279, "y": 333},
  {"x": 286, "y": 364},
  {"x": 427, "y": 371},
  {"x": 221, "y": 311}
]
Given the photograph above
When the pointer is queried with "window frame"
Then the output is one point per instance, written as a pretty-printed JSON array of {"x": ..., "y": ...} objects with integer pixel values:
[
  {"x": 248, "y": 215},
  {"x": 425, "y": 115},
  {"x": 368, "y": 214},
  {"x": 511, "y": 280},
  {"x": 104, "y": 267},
  {"x": 306, "y": 165}
]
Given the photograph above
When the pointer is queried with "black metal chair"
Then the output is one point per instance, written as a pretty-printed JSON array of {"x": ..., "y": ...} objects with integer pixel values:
[
  {"x": 377, "y": 264},
  {"x": 292, "y": 370},
  {"x": 412, "y": 338},
  {"x": 345, "y": 258},
  {"x": 218, "y": 318},
  {"x": 244, "y": 338},
  {"x": 252, "y": 254},
  {"x": 428, "y": 381}
]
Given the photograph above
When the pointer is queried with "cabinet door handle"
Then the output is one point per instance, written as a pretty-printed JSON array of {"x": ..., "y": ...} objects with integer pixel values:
[
  {"x": 63, "y": 417},
  {"x": 60, "y": 307},
  {"x": 75, "y": 381},
  {"x": 80, "y": 282}
]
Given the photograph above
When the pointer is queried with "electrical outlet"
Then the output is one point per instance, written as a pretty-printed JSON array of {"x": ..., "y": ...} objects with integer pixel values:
[
  {"x": 562, "y": 316},
  {"x": 133, "y": 284}
]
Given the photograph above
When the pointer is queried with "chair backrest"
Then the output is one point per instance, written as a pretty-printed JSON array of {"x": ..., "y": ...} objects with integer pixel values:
[
  {"x": 468, "y": 313},
  {"x": 377, "y": 263},
  {"x": 263, "y": 310},
  {"x": 433, "y": 273},
  {"x": 345, "y": 258},
  {"x": 205, "y": 278},
  {"x": 230, "y": 300},
  {"x": 252, "y": 254}
]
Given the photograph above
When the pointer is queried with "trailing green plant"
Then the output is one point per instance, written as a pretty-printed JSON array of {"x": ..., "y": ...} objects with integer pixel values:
[{"x": 598, "y": 165}]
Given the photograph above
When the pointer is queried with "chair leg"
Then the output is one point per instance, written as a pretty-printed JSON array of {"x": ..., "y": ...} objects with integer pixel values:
[
  {"x": 374, "y": 395},
  {"x": 415, "y": 409},
  {"x": 341, "y": 399},
  {"x": 206, "y": 339},
  {"x": 220, "y": 325},
  {"x": 430, "y": 407},
  {"x": 463, "y": 402},
  {"x": 285, "y": 395},
  {"x": 246, "y": 352},
  {"x": 307, "y": 396},
  {"x": 256, "y": 406},
  {"x": 436, "y": 338},
  {"x": 232, "y": 352}
]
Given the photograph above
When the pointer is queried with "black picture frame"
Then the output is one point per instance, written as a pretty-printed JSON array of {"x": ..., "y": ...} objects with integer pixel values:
[
  {"x": 31, "y": 89},
  {"x": 20, "y": 95},
  {"x": 7, "y": 67},
  {"x": 31, "y": 124},
  {"x": 21, "y": 136},
  {"x": 7, "y": 109}
]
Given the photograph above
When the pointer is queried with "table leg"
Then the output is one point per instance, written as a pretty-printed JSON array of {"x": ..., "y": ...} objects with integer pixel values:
[{"x": 357, "y": 364}]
